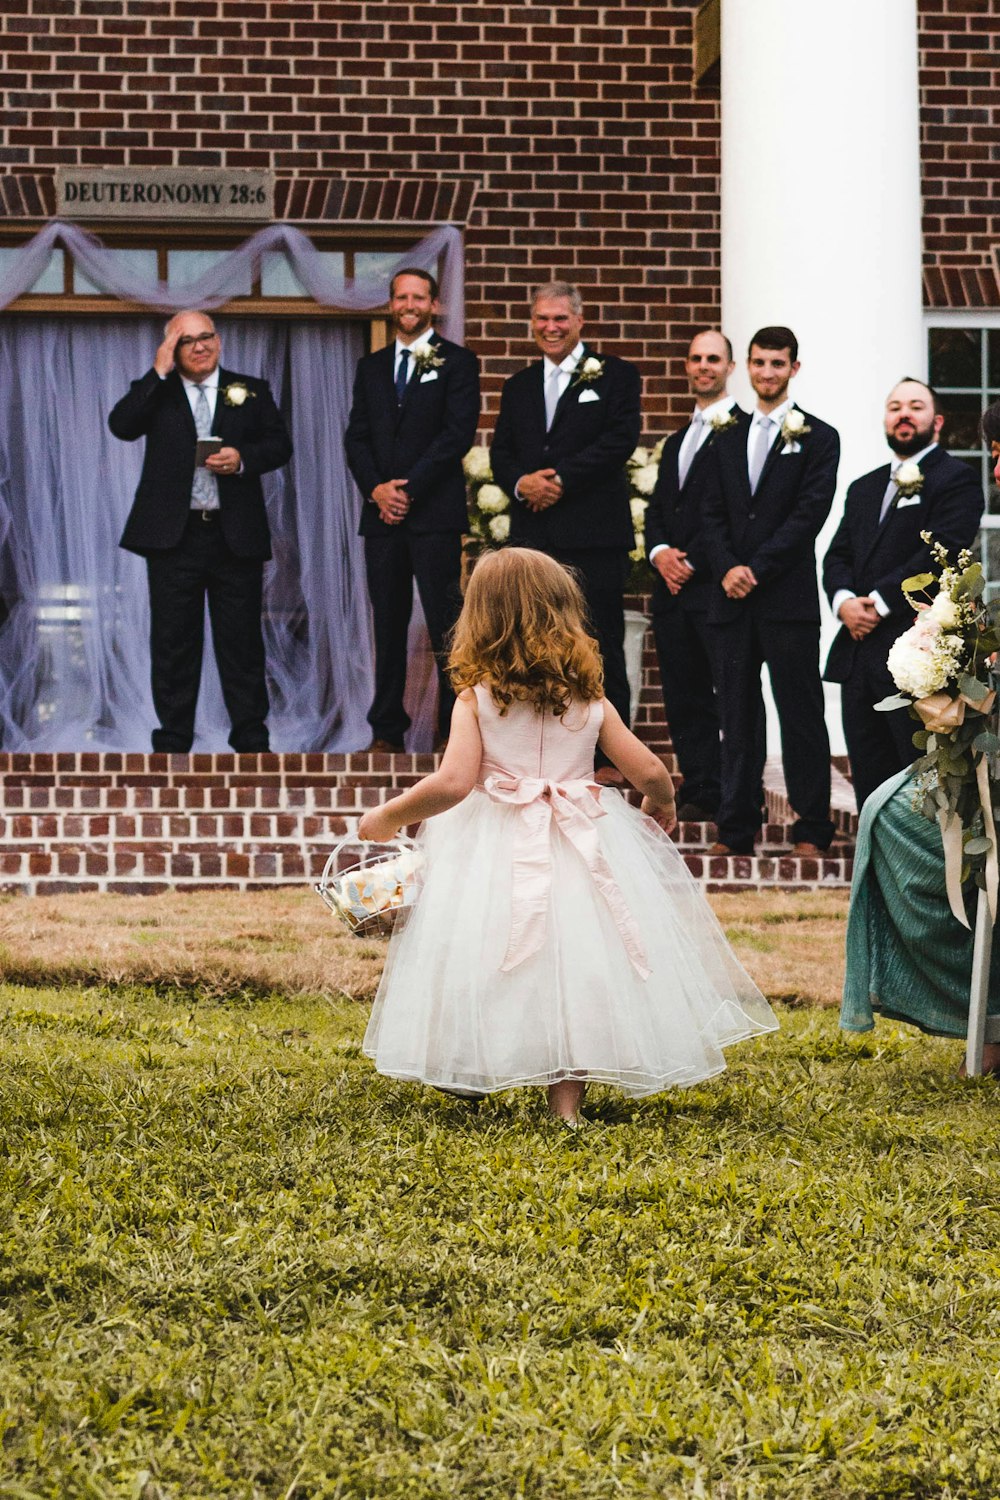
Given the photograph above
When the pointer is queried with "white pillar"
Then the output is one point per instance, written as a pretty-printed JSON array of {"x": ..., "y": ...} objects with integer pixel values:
[{"x": 821, "y": 210}]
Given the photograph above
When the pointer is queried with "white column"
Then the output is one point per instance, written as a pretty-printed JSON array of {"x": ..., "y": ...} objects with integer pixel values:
[{"x": 821, "y": 210}]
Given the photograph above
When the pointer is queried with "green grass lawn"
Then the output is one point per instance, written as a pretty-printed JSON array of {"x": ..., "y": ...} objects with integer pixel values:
[{"x": 236, "y": 1262}]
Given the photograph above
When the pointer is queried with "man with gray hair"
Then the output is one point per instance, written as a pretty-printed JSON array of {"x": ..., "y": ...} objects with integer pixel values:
[
  {"x": 199, "y": 521},
  {"x": 566, "y": 427}
]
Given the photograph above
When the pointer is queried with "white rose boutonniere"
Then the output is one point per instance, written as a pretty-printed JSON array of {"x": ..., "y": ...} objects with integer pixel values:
[
  {"x": 236, "y": 393},
  {"x": 792, "y": 429},
  {"x": 909, "y": 479},
  {"x": 589, "y": 369},
  {"x": 722, "y": 421},
  {"x": 426, "y": 359}
]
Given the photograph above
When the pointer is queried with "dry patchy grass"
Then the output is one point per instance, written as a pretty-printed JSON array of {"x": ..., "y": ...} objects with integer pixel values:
[{"x": 285, "y": 942}]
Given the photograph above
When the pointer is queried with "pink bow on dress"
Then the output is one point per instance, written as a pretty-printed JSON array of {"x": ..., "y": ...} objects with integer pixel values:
[{"x": 575, "y": 808}]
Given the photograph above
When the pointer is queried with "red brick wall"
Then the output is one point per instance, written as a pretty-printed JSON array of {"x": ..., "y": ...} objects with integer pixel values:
[
  {"x": 596, "y": 157},
  {"x": 960, "y": 148}
]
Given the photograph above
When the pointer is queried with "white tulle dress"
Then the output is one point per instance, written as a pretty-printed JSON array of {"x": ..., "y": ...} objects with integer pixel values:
[{"x": 557, "y": 935}]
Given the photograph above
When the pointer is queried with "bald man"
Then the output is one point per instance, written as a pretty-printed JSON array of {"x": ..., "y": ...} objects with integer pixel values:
[
  {"x": 878, "y": 545},
  {"x": 202, "y": 528}
]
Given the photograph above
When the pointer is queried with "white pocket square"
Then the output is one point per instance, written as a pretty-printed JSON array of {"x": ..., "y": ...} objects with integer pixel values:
[
  {"x": 588, "y": 396},
  {"x": 790, "y": 447},
  {"x": 431, "y": 375},
  {"x": 906, "y": 500}
]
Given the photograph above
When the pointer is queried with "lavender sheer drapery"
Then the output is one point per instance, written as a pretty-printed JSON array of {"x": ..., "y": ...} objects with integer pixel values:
[
  {"x": 74, "y": 669},
  {"x": 439, "y": 252}
]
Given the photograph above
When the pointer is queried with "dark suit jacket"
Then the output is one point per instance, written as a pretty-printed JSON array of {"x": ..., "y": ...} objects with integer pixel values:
[
  {"x": 773, "y": 531},
  {"x": 159, "y": 411},
  {"x": 587, "y": 445},
  {"x": 864, "y": 555},
  {"x": 674, "y": 519},
  {"x": 423, "y": 440}
]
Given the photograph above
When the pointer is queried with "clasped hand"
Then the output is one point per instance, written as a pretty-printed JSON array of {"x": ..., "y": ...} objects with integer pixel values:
[
  {"x": 392, "y": 500},
  {"x": 738, "y": 582},
  {"x": 673, "y": 567},
  {"x": 859, "y": 616},
  {"x": 540, "y": 489}
]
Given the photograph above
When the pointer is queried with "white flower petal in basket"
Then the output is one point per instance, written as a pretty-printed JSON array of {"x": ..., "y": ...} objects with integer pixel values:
[{"x": 370, "y": 893}]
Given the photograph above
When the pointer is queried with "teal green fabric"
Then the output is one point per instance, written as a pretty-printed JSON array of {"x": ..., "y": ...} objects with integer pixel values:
[{"x": 907, "y": 956}]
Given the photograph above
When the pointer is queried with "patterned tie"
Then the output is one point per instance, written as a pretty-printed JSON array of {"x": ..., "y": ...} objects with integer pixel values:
[
  {"x": 205, "y": 489},
  {"x": 404, "y": 365},
  {"x": 689, "y": 448},
  {"x": 551, "y": 394},
  {"x": 762, "y": 444}
]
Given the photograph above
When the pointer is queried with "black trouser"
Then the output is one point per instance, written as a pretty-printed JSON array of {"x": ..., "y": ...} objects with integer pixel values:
[
  {"x": 602, "y": 573},
  {"x": 203, "y": 565},
  {"x": 790, "y": 650},
  {"x": 392, "y": 562},
  {"x": 879, "y": 745},
  {"x": 683, "y": 648}
]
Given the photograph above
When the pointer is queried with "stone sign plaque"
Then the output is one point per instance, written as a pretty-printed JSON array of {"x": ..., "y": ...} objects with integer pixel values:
[{"x": 164, "y": 193}]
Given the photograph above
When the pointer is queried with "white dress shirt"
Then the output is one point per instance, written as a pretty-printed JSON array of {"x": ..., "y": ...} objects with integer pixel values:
[
  {"x": 777, "y": 417},
  {"x": 420, "y": 342},
  {"x": 694, "y": 440},
  {"x": 565, "y": 369},
  {"x": 880, "y": 605},
  {"x": 210, "y": 385}
]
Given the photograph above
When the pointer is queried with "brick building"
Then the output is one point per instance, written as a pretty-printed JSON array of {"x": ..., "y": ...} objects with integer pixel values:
[{"x": 579, "y": 139}]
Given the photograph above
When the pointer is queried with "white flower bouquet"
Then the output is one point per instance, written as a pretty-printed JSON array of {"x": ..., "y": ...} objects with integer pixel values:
[{"x": 942, "y": 667}]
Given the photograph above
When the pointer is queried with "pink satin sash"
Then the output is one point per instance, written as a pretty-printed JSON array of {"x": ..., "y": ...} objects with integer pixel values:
[{"x": 574, "y": 807}]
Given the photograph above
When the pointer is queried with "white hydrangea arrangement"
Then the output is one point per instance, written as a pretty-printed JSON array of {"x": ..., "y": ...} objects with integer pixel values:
[
  {"x": 642, "y": 469},
  {"x": 942, "y": 667},
  {"x": 489, "y": 505}
]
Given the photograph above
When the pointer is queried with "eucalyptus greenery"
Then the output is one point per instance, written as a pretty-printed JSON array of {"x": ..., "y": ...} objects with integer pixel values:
[{"x": 960, "y": 632}]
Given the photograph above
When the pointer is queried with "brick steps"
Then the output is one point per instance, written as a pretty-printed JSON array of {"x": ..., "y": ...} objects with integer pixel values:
[{"x": 143, "y": 823}]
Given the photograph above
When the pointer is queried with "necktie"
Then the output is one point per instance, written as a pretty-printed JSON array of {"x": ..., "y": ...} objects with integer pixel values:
[
  {"x": 890, "y": 498},
  {"x": 404, "y": 365},
  {"x": 551, "y": 394},
  {"x": 205, "y": 489},
  {"x": 761, "y": 447},
  {"x": 689, "y": 448}
]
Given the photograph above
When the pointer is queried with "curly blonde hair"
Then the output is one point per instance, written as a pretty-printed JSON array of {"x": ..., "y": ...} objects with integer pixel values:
[{"x": 521, "y": 634}]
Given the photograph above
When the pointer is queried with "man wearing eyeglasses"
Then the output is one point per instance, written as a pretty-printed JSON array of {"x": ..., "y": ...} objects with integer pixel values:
[{"x": 202, "y": 528}]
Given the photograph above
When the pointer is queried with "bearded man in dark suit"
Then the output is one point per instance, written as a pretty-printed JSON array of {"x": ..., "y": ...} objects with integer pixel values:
[
  {"x": 876, "y": 547},
  {"x": 684, "y": 584},
  {"x": 413, "y": 418},
  {"x": 768, "y": 493},
  {"x": 202, "y": 529},
  {"x": 567, "y": 425}
]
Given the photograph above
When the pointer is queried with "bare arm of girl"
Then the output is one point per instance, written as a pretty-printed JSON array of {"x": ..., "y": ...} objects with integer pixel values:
[
  {"x": 639, "y": 766},
  {"x": 450, "y": 784}
]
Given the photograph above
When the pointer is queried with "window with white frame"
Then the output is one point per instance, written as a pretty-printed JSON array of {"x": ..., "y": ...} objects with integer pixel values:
[{"x": 963, "y": 362}]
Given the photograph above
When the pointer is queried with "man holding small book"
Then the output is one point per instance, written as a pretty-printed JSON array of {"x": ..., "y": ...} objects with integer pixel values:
[{"x": 199, "y": 521}]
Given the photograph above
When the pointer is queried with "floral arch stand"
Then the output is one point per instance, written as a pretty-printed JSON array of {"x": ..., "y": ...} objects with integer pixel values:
[{"x": 981, "y": 1028}]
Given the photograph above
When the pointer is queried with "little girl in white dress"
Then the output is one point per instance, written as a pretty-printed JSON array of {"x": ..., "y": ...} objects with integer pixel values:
[{"x": 558, "y": 937}]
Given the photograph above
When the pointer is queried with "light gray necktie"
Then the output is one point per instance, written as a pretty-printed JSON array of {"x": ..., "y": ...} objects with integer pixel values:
[
  {"x": 888, "y": 499},
  {"x": 689, "y": 448},
  {"x": 761, "y": 448},
  {"x": 205, "y": 489},
  {"x": 551, "y": 394}
]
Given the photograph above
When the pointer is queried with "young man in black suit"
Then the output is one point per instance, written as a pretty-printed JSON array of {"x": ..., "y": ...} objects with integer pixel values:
[
  {"x": 567, "y": 425},
  {"x": 683, "y": 585},
  {"x": 767, "y": 495},
  {"x": 878, "y": 545},
  {"x": 413, "y": 418},
  {"x": 202, "y": 530}
]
